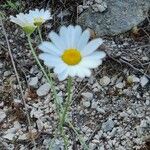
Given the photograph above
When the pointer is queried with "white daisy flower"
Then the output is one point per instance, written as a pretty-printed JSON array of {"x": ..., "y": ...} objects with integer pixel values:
[
  {"x": 39, "y": 16},
  {"x": 25, "y": 21},
  {"x": 70, "y": 53}
]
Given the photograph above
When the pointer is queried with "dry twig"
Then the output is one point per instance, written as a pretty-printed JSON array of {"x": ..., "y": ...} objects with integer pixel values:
[{"x": 19, "y": 83}]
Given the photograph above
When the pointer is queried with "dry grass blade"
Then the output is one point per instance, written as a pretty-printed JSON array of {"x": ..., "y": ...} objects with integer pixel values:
[{"x": 17, "y": 76}]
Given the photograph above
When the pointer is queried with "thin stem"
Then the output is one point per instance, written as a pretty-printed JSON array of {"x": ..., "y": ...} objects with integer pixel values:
[
  {"x": 40, "y": 35},
  {"x": 79, "y": 137},
  {"x": 19, "y": 83},
  {"x": 68, "y": 101},
  {"x": 48, "y": 78},
  {"x": 65, "y": 140}
]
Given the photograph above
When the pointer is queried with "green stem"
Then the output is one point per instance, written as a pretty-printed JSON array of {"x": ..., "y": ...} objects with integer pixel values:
[
  {"x": 85, "y": 147},
  {"x": 49, "y": 78},
  {"x": 40, "y": 35},
  {"x": 67, "y": 104}
]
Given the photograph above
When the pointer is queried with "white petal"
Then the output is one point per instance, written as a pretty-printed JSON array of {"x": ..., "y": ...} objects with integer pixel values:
[
  {"x": 90, "y": 63},
  {"x": 83, "y": 39},
  {"x": 48, "y": 47},
  {"x": 70, "y": 36},
  {"x": 57, "y": 40},
  {"x": 91, "y": 46},
  {"x": 77, "y": 35},
  {"x": 60, "y": 68},
  {"x": 83, "y": 72},
  {"x": 50, "y": 60},
  {"x": 97, "y": 55},
  {"x": 63, "y": 75},
  {"x": 63, "y": 31},
  {"x": 73, "y": 71}
]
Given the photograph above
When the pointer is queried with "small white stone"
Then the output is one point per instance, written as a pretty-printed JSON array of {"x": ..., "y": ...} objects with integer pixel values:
[
  {"x": 36, "y": 113},
  {"x": 101, "y": 147},
  {"x": 98, "y": 1},
  {"x": 7, "y": 73},
  {"x": 113, "y": 132},
  {"x": 40, "y": 124},
  {"x": 92, "y": 146},
  {"x": 100, "y": 110},
  {"x": 105, "y": 81},
  {"x": 2, "y": 115},
  {"x": 9, "y": 136},
  {"x": 1, "y": 65},
  {"x": 143, "y": 124},
  {"x": 123, "y": 114},
  {"x": 43, "y": 89},
  {"x": 120, "y": 85},
  {"x": 87, "y": 95},
  {"x": 33, "y": 82},
  {"x": 108, "y": 125},
  {"x": 135, "y": 79},
  {"x": 100, "y": 7},
  {"x": 94, "y": 104},
  {"x": 147, "y": 102},
  {"x": 23, "y": 137},
  {"x": 100, "y": 133},
  {"x": 143, "y": 81},
  {"x": 86, "y": 104}
]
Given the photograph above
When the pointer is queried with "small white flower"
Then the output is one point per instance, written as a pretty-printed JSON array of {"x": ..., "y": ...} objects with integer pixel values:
[
  {"x": 25, "y": 21},
  {"x": 70, "y": 53},
  {"x": 39, "y": 16}
]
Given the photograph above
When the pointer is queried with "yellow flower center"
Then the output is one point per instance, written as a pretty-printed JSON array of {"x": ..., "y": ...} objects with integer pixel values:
[
  {"x": 71, "y": 56},
  {"x": 38, "y": 21}
]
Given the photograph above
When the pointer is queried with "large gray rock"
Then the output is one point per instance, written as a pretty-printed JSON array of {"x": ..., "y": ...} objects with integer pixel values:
[{"x": 120, "y": 16}]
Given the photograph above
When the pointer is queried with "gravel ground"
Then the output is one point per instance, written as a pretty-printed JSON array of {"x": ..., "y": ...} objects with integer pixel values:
[{"x": 111, "y": 108}]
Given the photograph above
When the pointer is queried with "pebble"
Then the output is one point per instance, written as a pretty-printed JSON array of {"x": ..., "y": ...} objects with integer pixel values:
[
  {"x": 87, "y": 95},
  {"x": 40, "y": 124},
  {"x": 105, "y": 81},
  {"x": 1, "y": 65},
  {"x": 9, "y": 136},
  {"x": 100, "y": 110},
  {"x": 23, "y": 137},
  {"x": 135, "y": 79},
  {"x": 86, "y": 104},
  {"x": 94, "y": 104},
  {"x": 33, "y": 82},
  {"x": 43, "y": 89},
  {"x": 99, "y": 7},
  {"x": 143, "y": 124},
  {"x": 98, "y": 1},
  {"x": 108, "y": 125},
  {"x": 2, "y": 115},
  {"x": 143, "y": 81},
  {"x": 7, "y": 73},
  {"x": 147, "y": 102},
  {"x": 120, "y": 85}
]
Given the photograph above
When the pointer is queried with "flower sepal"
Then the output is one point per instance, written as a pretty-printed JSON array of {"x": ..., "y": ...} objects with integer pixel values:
[{"x": 29, "y": 29}]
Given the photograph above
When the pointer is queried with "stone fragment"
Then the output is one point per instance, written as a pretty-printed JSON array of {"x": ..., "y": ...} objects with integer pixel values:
[
  {"x": 87, "y": 95},
  {"x": 86, "y": 104},
  {"x": 108, "y": 125},
  {"x": 105, "y": 81},
  {"x": 33, "y": 82},
  {"x": 143, "y": 81},
  {"x": 43, "y": 89},
  {"x": 2, "y": 115}
]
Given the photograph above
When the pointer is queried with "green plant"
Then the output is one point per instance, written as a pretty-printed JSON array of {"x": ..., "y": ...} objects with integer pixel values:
[{"x": 13, "y": 5}]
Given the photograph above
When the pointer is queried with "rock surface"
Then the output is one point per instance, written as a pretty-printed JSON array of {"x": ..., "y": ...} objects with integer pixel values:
[{"x": 119, "y": 17}]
